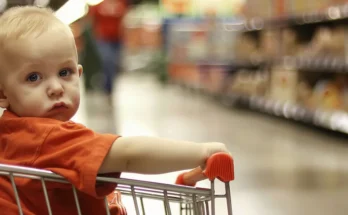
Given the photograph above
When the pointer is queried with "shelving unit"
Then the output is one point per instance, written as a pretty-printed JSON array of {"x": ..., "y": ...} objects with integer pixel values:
[
  {"x": 313, "y": 68},
  {"x": 333, "y": 120},
  {"x": 335, "y": 14},
  {"x": 332, "y": 64}
]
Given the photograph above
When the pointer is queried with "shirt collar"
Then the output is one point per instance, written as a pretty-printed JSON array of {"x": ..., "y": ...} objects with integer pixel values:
[{"x": 8, "y": 114}]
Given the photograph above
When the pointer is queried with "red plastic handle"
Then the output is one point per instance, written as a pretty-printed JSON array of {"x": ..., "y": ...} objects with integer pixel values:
[{"x": 219, "y": 165}]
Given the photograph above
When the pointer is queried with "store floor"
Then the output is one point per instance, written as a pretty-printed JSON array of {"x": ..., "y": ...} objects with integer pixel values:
[{"x": 281, "y": 168}]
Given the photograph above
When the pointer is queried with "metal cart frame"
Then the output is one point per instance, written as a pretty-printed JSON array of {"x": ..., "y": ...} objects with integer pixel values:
[{"x": 196, "y": 201}]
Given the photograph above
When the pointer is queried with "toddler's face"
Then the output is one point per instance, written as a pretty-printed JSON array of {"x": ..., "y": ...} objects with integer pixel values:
[{"x": 42, "y": 77}]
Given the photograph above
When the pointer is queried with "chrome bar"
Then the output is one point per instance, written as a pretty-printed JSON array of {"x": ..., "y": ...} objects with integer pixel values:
[
  {"x": 188, "y": 209},
  {"x": 16, "y": 194},
  {"x": 135, "y": 201},
  {"x": 181, "y": 208},
  {"x": 46, "y": 196},
  {"x": 152, "y": 191},
  {"x": 77, "y": 201},
  {"x": 228, "y": 198},
  {"x": 19, "y": 175},
  {"x": 212, "y": 191},
  {"x": 142, "y": 205},
  {"x": 159, "y": 191},
  {"x": 201, "y": 208},
  {"x": 166, "y": 203},
  {"x": 106, "y": 206},
  {"x": 157, "y": 186},
  {"x": 194, "y": 204},
  {"x": 165, "y": 208},
  {"x": 160, "y": 197},
  {"x": 29, "y": 171},
  {"x": 206, "y": 207}
]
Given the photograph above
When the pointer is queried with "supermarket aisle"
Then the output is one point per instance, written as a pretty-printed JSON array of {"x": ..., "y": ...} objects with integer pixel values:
[{"x": 281, "y": 168}]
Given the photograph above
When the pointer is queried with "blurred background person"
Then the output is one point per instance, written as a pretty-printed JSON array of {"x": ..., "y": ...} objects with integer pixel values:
[{"x": 106, "y": 20}]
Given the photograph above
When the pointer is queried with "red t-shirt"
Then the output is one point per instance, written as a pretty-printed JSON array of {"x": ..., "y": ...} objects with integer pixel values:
[
  {"x": 107, "y": 19},
  {"x": 66, "y": 148}
]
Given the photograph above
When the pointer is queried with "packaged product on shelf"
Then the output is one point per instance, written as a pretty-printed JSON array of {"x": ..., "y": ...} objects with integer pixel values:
[
  {"x": 217, "y": 75},
  {"x": 290, "y": 45},
  {"x": 300, "y": 6},
  {"x": 330, "y": 3},
  {"x": 345, "y": 98},
  {"x": 184, "y": 74},
  {"x": 245, "y": 47},
  {"x": 260, "y": 8},
  {"x": 341, "y": 80},
  {"x": 270, "y": 43},
  {"x": 190, "y": 75},
  {"x": 283, "y": 84},
  {"x": 304, "y": 94},
  {"x": 239, "y": 81},
  {"x": 327, "y": 95},
  {"x": 261, "y": 83},
  {"x": 197, "y": 46},
  {"x": 326, "y": 42},
  {"x": 337, "y": 46},
  {"x": 249, "y": 83},
  {"x": 320, "y": 43}
]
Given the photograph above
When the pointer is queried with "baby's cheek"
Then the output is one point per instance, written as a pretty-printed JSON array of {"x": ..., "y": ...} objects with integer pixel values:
[
  {"x": 76, "y": 98},
  {"x": 28, "y": 106},
  {"x": 35, "y": 106}
]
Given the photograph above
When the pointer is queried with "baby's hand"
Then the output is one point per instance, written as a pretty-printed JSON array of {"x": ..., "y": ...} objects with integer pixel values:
[{"x": 212, "y": 148}]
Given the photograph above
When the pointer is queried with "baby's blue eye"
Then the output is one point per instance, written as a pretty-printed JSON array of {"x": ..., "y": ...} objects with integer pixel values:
[
  {"x": 64, "y": 72},
  {"x": 33, "y": 77}
]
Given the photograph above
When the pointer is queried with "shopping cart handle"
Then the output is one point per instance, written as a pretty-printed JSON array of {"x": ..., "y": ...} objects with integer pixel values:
[{"x": 219, "y": 165}]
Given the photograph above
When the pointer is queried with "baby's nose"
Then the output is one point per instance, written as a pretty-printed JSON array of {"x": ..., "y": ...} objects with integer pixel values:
[{"x": 55, "y": 88}]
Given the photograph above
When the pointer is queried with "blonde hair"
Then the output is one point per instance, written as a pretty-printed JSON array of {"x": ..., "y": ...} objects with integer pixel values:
[{"x": 26, "y": 22}]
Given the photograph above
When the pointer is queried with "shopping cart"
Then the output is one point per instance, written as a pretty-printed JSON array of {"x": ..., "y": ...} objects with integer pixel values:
[{"x": 192, "y": 200}]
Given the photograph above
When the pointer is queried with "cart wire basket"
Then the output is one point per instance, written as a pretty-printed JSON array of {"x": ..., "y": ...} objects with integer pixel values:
[{"x": 192, "y": 200}]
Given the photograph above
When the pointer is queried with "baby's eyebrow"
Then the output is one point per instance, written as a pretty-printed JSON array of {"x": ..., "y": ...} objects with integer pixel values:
[{"x": 68, "y": 61}]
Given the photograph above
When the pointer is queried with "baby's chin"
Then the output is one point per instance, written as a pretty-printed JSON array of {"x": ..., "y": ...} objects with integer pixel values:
[
  {"x": 60, "y": 118},
  {"x": 66, "y": 116},
  {"x": 63, "y": 117}
]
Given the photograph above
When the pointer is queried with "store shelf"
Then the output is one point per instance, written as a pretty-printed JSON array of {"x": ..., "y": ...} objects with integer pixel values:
[
  {"x": 315, "y": 43},
  {"x": 332, "y": 14},
  {"x": 335, "y": 14},
  {"x": 316, "y": 64},
  {"x": 332, "y": 120},
  {"x": 310, "y": 64}
]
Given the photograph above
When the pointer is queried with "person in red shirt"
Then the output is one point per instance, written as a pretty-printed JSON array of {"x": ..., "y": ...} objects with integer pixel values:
[
  {"x": 106, "y": 18},
  {"x": 39, "y": 88}
]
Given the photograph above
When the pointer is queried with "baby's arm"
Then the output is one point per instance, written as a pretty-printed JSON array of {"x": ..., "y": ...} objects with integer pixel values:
[{"x": 149, "y": 155}]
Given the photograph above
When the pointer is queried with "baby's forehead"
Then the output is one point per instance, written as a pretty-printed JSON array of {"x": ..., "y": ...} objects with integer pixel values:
[
  {"x": 54, "y": 40},
  {"x": 38, "y": 50}
]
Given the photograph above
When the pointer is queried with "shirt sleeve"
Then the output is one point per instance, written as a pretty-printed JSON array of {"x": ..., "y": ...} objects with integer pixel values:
[{"x": 76, "y": 153}]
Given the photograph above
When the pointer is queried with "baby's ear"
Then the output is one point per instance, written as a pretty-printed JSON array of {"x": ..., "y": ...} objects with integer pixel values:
[
  {"x": 80, "y": 69},
  {"x": 3, "y": 99}
]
